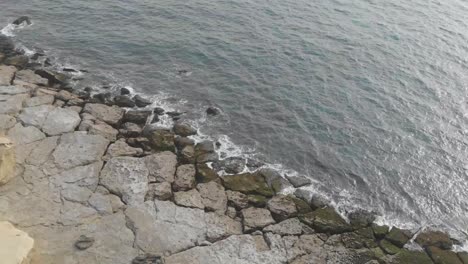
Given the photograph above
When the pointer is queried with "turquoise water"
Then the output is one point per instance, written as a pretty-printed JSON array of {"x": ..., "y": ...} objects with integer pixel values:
[{"x": 366, "y": 97}]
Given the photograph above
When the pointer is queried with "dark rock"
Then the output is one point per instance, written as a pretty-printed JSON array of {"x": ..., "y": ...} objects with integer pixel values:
[
  {"x": 205, "y": 174},
  {"x": 173, "y": 113},
  {"x": 162, "y": 140},
  {"x": 158, "y": 111},
  {"x": 380, "y": 231},
  {"x": 53, "y": 77},
  {"x": 463, "y": 256},
  {"x": 434, "y": 238},
  {"x": 212, "y": 111},
  {"x": 254, "y": 164},
  {"x": 182, "y": 142},
  {"x": 124, "y": 101},
  {"x": 318, "y": 201},
  {"x": 361, "y": 218},
  {"x": 103, "y": 98},
  {"x": 232, "y": 165},
  {"x": 84, "y": 95},
  {"x": 440, "y": 256},
  {"x": 411, "y": 257},
  {"x": 301, "y": 205},
  {"x": 130, "y": 129},
  {"x": 184, "y": 130},
  {"x": 398, "y": 237},
  {"x": 257, "y": 200},
  {"x": 353, "y": 240},
  {"x": 140, "y": 142},
  {"x": 84, "y": 242},
  {"x": 248, "y": 183},
  {"x": 148, "y": 259},
  {"x": 155, "y": 119},
  {"x": 327, "y": 220},
  {"x": 136, "y": 116},
  {"x": 140, "y": 101},
  {"x": 124, "y": 91},
  {"x": 69, "y": 70},
  {"x": 298, "y": 181},
  {"x": 205, "y": 152},
  {"x": 7, "y": 45},
  {"x": 282, "y": 207},
  {"x": 388, "y": 247},
  {"x": 21, "y": 20},
  {"x": 18, "y": 61},
  {"x": 274, "y": 179},
  {"x": 47, "y": 62},
  {"x": 187, "y": 155}
]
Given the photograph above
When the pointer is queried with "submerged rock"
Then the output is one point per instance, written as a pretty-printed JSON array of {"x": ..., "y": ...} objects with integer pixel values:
[
  {"x": 212, "y": 111},
  {"x": 231, "y": 165},
  {"x": 21, "y": 20},
  {"x": 124, "y": 101},
  {"x": 141, "y": 101}
]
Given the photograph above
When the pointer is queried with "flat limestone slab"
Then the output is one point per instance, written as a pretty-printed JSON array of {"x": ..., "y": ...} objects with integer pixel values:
[{"x": 15, "y": 244}]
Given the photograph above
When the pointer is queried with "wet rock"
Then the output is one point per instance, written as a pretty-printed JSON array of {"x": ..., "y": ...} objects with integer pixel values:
[
  {"x": 124, "y": 101},
  {"x": 102, "y": 98},
  {"x": 21, "y": 20},
  {"x": 276, "y": 182},
  {"x": 7, "y": 73},
  {"x": 54, "y": 78},
  {"x": 298, "y": 180},
  {"x": 185, "y": 178},
  {"x": 141, "y": 101},
  {"x": 212, "y": 111},
  {"x": 124, "y": 91},
  {"x": 380, "y": 231},
  {"x": 158, "y": 111},
  {"x": 148, "y": 259},
  {"x": 361, "y": 218},
  {"x": 213, "y": 196},
  {"x": 161, "y": 191},
  {"x": 187, "y": 155},
  {"x": 140, "y": 142},
  {"x": 126, "y": 177},
  {"x": 434, "y": 238},
  {"x": 257, "y": 200},
  {"x": 289, "y": 227},
  {"x": 232, "y": 165},
  {"x": 282, "y": 207},
  {"x": 398, "y": 237},
  {"x": 237, "y": 199},
  {"x": 205, "y": 152},
  {"x": 301, "y": 205},
  {"x": 60, "y": 120},
  {"x": 182, "y": 142},
  {"x": 109, "y": 114},
  {"x": 326, "y": 220},
  {"x": 184, "y": 130},
  {"x": 248, "y": 183},
  {"x": 205, "y": 174},
  {"x": 388, "y": 247},
  {"x": 30, "y": 77},
  {"x": 254, "y": 218},
  {"x": 130, "y": 129},
  {"x": 409, "y": 257},
  {"x": 18, "y": 61},
  {"x": 440, "y": 256},
  {"x": 463, "y": 256},
  {"x": 189, "y": 198},
  {"x": 84, "y": 242},
  {"x": 162, "y": 140},
  {"x": 161, "y": 166}
]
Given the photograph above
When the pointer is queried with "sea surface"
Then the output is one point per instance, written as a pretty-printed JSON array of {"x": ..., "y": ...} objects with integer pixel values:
[{"x": 367, "y": 98}]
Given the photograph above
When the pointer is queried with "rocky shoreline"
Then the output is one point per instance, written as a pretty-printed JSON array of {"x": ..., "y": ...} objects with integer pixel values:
[{"x": 97, "y": 181}]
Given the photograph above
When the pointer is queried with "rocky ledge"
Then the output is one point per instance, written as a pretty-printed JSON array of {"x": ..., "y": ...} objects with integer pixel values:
[{"x": 97, "y": 183}]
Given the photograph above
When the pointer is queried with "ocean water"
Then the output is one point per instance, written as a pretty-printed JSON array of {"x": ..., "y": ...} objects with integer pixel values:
[{"x": 368, "y": 98}]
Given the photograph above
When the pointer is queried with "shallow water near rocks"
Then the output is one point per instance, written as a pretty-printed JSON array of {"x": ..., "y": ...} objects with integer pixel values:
[{"x": 367, "y": 98}]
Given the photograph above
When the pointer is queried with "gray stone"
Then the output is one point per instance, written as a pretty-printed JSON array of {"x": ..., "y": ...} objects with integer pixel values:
[
  {"x": 189, "y": 198},
  {"x": 35, "y": 116},
  {"x": 75, "y": 193},
  {"x": 13, "y": 90},
  {"x": 185, "y": 177},
  {"x": 238, "y": 199},
  {"x": 282, "y": 207},
  {"x": 116, "y": 203},
  {"x": 101, "y": 203},
  {"x": 256, "y": 218},
  {"x": 65, "y": 95},
  {"x": 121, "y": 148},
  {"x": 13, "y": 104},
  {"x": 39, "y": 100},
  {"x": 61, "y": 120},
  {"x": 103, "y": 129},
  {"x": 42, "y": 150},
  {"x": 288, "y": 227},
  {"x": 21, "y": 135},
  {"x": 221, "y": 226},
  {"x": 109, "y": 114},
  {"x": 213, "y": 196},
  {"x": 7, "y": 74},
  {"x": 162, "y": 166},
  {"x": 184, "y": 130},
  {"x": 6, "y": 122},
  {"x": 161, "y": 191},
  {"x": 30, "y": 77},
  {"x": 78, "y": 149},
  {"x": 231, "y": 212},
  {"x": 298, "y": 181},
  {"x": 76, "y": 109},
  {"x": 82, "y": 176},
  {"x": 126, "y": 177}
]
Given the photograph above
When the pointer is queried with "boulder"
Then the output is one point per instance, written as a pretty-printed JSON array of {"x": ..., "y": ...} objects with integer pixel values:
[
  {"x": 248, "y": 183},
  {"x": 184, "y": 130},
  {"x": 7, "y": 160},
  {"x": 237, "y": 199},
  {"x": 232, "y": 165},
  {"x": 409, "y": 257},
  {"x": 213, "y": 196},
  {"x": 388, "y": 247},
  {"x": 212, "y": 111},
  {"x": 221, "y": 226},
  {"x": 130, "y": 129},
  {"x": 182, "y": 142},
  {"x": 380, "y": 231},
  {"x": 21, "y": 135},
  {"x": 274, "y": 179},
  {"x": 398, "y": 237},
  {"x": 141, "y": 101},
  {"x": 205, "y": 152},
  {"x": 254, "y": 218},
  {"x": 39, "y": 100},
  {"x": 127, "y": 177},
  {"x": 7, "y": 73},
  {"x": 137, "y": 116},
  {"x": 289, "y": 227},
  {"x": 124, "y": 101},
  {"x": 35, "y": 116},
  {"x": 326, "y": 220},
  {"x": 61, "y": 120},
  {"x": 121, "y": 148},
  {"x": 54, "y": 78},
  {"x": 162, "y": 140},
  {"x": 65, "y": 96},
  {"x": 361, "y": 218},
  {"x": 12, "y": 105},
  {"x": 257, "y": 200},
  {"x": 6, "y": 122},
  {"x": 282, "y": 207},
  {"x": 18, "y": 61},
  {"x": 21, "y": 20},
  {"x": 109, "y": 114},
  {"x": 298, "y": 180},
  {"x": 184, "y": 178},
  {"x": 189, "y": 198},
  {"x": 15, "y": 245},
  {"x": 434, "y": 238},
  {"x": 161, "y": 166},
  {"x": 161, "y": 191},
  {"x": 124, "y": 91},
  {"x": 30, "y": 77},
  {"x": 103, "y": 129},
  {"x": 205, "y": 174},
  {"x": 187, "y": 155}
]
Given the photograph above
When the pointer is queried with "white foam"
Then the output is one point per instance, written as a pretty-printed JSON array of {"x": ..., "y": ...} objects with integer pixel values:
[{"x": 9, "y": 30}]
